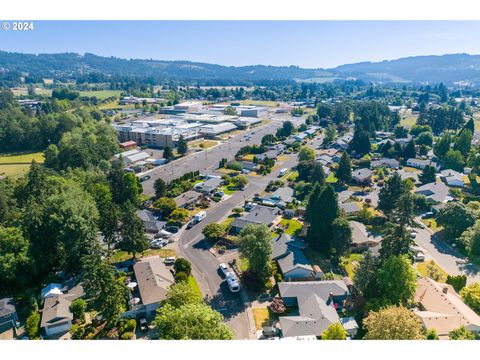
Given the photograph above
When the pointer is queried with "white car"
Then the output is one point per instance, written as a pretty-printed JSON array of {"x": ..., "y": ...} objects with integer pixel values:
[
  {"x": 169, "y": 260},
  {"x": 233, "y": 285},
  {"x": 413, "y": 234},
  {"x": 158, "y": 244},
  {"x": 419, "y": 256},
  {"x": 224, "y": 269}
]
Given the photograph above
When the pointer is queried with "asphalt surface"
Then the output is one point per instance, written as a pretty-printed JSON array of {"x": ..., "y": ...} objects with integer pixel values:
[
  {"x": 207, "y": 160},
  {"x": 446, "y": 257}
]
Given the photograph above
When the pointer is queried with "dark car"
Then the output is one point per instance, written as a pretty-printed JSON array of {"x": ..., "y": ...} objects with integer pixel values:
[
  {"x": 190, "y": 224},
  {"x": 269, "y": 331},
  {"x": 143, "y": 324},
  {"x": 145, "y": 178},
  {"x": 172, "y": 228}
]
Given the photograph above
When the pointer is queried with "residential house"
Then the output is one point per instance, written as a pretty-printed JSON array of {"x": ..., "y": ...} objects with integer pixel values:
[
  {"x": 421, "y": 163},
  {"x": 151, "y": 222},
  {"x": 453, "y": 178},
  {"x": 209, "y": 186},
  {"x": 188, "y": 199},
  {"x": 259, "y": 215},
  {"x": 8, "y": 314},
  {"x": 249, "y": 165},
  {"x": 317, "y": 303},
  {"x": 282, "y": 195},
  {"x": 56, "y": 315},
  {"x": 350, "y": 208},
  {"x": 300, "y": 137},
  {"x": 293, "y": 263},
  {"x": 385, "y": 162},
  {"x": 361, "y": 239},
  {"x": 154, "y": 279},
  {"x": 435, "y": 192},
  {"x": 442, "y": 309},
  {"x": 362, "y": 176},
  {"x": 270, "y": 154},
  {"x": 325, "y": 159}
]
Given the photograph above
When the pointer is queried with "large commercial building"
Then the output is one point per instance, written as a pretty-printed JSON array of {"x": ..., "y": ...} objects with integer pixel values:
[{"x": 157, "y": 133}]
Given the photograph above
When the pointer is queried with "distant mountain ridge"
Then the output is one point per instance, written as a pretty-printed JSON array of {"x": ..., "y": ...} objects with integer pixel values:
[{"x": 450, "y": 69}]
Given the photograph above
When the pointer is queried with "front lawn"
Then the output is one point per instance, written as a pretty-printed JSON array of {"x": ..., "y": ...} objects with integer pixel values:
[
  {"x": 292, "y": 226},
  {"x": 120, "y": 256},
  {"x": 432, "y": 225},
  {"x": 192, "y": 282},
  {"x": 331, "y": 178},
  {"x": 228, "y": 190},
  {"x": 409, "y": 120},
  {"x": 350, "y": 262},
  {"x": 248, "y": 157},
  {"x": 423, "y": 269},
  {"x": 262, "y": 317}
]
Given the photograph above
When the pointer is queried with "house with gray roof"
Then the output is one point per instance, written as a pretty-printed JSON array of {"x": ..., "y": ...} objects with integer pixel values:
[
  {"x": 284, "y": 194},
  {"x": 362, "y": 176},
  {"x": 209, "y": 186},
  {"x": 291, "y": 259},
  {"x": 361, "y": 239},
  {"x": 421, "y": 163},
  {"x": 453, "y": 178},
  {"x": 8, "y": 314},
  {"x": 56, "y": 315},
  {"x": 317, "y": 302},
  {"x": 259, "y": 215},
  {"x": 150, "y": 221},
  {"x": 350, "y": 208},
  {"x": 385, "y": 162},
  {"x": 188, "y": 199},
  {"x": 435, "y": 192}
]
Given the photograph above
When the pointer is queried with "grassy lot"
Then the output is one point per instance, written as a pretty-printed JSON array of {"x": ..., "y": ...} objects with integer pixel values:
[
  {"x": 205, "y": 144},
  {"x": 331, "y": 178},
  {"x": 291, "y": 176},
  {"x": 409, "y": 120},
  {"x": 411, "y": 169},
  {"x": 228, "y": 190},
  {"x": 292, "y": 226},
  {"x": 23, "y": 91},
  {"x": 422, "y": 268},
  {"x": 18, "y": 164},
  {"x": 194, "y": 285},
  {"x": 281, "y": 158},
  {"x": 101, "y": 94},
  {"x": 432, "y": 225},
  {"x": 115, "y": 105},
  {"x": 228, "y": 221},
  {"x": 244, "y": 265},
  {"x": 248, "y": 157},
  {"x": 120, "y": 256},
  {"x": 262, "y": 317},
  {"x": 349, "y": 263},
  {"x": 226, "y": 171}
]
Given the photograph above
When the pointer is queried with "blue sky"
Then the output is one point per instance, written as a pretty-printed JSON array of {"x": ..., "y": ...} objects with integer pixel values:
[{"x": 303, "y": 43}]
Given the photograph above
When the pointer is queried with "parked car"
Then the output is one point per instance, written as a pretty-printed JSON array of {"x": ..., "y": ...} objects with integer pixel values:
[
  {"x": 145, "y": 178},
  {"x": 158, "y": 244},
  {"x": 249, "y": 206},
  {"x": 191, "y": 224},
  {"x": 143, "y": 324},
  {"x": 164, "y": 234},
  {"x": 172, "y": 228},
  {"x": 270, "y": 331},
  {"x": 224, "y": 268},
  {"x": 200, "y": 216},
  {"x": 245, "y": 171},
  {"x": 232, "y": 282},
  {"x": 413, "y": 234},
  {"x": 419, "y": 256},
  {"x": 169, "y": 260},
  {"x": 427, "y": 215}
]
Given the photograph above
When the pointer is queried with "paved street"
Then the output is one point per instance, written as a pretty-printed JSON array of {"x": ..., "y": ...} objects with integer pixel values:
[
  {"x": 446, "y": 257},
  {"x": 205, "y": 265},
  {"x": 207, "y": 161}
]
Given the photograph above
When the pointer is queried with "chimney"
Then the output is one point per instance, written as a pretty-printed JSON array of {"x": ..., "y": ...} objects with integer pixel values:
[{"x": 445, "y": 289}]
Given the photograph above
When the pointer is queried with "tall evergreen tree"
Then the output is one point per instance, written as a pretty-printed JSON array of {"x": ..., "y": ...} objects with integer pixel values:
[
  {"x": 167, "y": 153},
  {"x": 182, "y": 145},
  {"x": 409, "y": 150},
  {"x": 344, "y": 171},
  {"x": 397, "y": 241},
  {"x": 390, "y": 193}
]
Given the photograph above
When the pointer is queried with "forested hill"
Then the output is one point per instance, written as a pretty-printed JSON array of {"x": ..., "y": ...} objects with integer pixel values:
[{"x": 449, "y": 69}]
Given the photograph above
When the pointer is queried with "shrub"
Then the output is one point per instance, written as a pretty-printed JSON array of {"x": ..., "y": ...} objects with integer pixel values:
[
  {"x": 78, "y": 308},
  {"x": 181, "y": 277},
  {"x": 126, "y": 336},
  {"x": 77, "y": 331},
  {"x": 183, "y": 265},
  {"x": 32, "y": 326}
]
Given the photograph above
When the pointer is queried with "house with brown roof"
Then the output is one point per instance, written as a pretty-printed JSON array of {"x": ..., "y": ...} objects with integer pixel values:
[
  {"x": 442, "y": 309},
  {"x": 153, "y": 279}
]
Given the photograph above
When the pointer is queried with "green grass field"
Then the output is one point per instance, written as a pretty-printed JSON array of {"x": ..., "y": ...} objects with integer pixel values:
[
  {"x": 409, "y": 120},
  {"x": 292, "y": 226},
  {"x": 18, "y": 164},
  {"x": 422, "y": 268},
  {"x": 101, "y": 94},
  {"x": 349, "y": 263},
  {"x": 331, "y": 178},
  {"x": 120, "y": 256},
  {"x": 194, "y": 285}
]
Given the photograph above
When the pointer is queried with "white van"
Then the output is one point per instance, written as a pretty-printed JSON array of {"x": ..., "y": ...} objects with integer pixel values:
[
  {"x": 283, "y": 172},
  {"x": 200, "y": 216}
]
